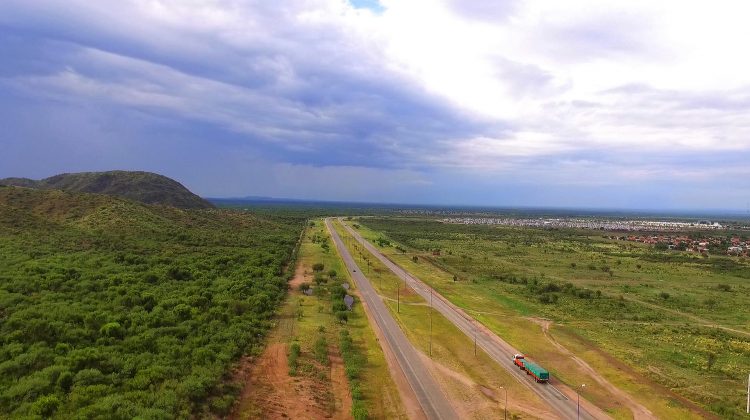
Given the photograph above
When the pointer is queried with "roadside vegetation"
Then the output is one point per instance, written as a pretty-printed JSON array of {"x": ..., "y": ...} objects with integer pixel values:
[
  {"x": 667, "y": 327},
  {"x": 476, "y": 384},
  {"x": 326, "y": 342},
  {"x": 114, "y": 309}
]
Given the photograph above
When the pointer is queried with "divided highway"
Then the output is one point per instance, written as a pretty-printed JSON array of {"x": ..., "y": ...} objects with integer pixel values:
[
  {"x": 434, "y": 403},
  {"x": 494, "y": 346}
]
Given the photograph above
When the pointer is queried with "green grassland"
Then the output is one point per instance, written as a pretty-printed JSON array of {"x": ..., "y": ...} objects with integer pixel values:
[
  {"x": 449, "y": 346},
  {"x": 115, "y": 309},
  {"x": 678, "y": 322},
  {"x": 372, "y": 387}
]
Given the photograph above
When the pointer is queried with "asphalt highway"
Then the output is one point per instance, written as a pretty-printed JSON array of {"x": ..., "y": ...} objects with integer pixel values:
[
  {"x": 433, "y": 401},
  {"x": 494, "y": 346}
]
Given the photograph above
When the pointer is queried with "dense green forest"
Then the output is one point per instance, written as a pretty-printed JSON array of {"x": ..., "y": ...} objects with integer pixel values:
[{"x": 115, "y": 309}]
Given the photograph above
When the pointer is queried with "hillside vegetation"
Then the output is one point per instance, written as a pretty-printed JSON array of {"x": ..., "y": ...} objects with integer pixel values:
[
  {"x": 115, "y": 309},
  {"x": 144, "y": 187}
]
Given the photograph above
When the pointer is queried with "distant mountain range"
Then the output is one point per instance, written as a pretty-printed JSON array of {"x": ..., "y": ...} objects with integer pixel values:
[{"x": 144, "y": 187}]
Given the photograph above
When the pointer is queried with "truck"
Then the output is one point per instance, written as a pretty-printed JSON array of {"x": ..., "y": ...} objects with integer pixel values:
[{"x": 537, "y": 372}]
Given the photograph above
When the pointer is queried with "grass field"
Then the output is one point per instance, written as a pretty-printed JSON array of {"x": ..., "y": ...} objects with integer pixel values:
[
  {"x": 658, "y": 325},
  {"x": 475, "y": 382}
]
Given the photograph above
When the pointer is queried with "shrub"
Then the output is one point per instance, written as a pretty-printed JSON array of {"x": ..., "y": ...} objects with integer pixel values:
[
  {"x": 179, "y": 274},
  {"x": 359, "y": 410},
  {"x": 318, "y": 267},
  {"x": 321, "y": 350},
  {"x": 342, "y": 316},
  {"x": 548, "y": 298},
  {"x": 294, "y": 352},
  {"x": 46, "y": 406},
  {"x": 112, "y": 330}
]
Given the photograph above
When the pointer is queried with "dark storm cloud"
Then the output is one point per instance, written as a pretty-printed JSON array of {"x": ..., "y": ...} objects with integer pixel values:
[{"x": 304, "y": 87}]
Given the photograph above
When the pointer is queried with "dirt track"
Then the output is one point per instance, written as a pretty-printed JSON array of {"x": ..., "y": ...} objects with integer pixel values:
[
  {"x": 270, "y": 393},
  {"x": 639, "y": 411}
]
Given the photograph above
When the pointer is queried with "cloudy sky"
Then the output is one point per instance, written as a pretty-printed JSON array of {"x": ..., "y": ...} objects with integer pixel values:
[{"x": 617, "y": 104}]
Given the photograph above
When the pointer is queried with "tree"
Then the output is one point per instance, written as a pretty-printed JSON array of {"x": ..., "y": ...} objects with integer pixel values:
[
  {"x": 415, "y": 258},
  {"x": 112, "y": 330},
  {"x": 342, "y": 316},
  {"x": 318, "y": 267},
  {"x": 46, "y": 406},
  {"x": 319, "y": 279},
  {"x": 664, "y": 295},
  {"x": 710, "y": 360},
  {"x": 332, "y": 274}
]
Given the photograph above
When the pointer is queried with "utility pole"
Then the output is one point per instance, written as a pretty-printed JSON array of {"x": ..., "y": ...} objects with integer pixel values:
[
  {"x": 578, "y": 391},
  {"x": 505, "y": 408},
  {"x": 748, "y": 393},
  {"x": 475, "y": 341},
  {"x": 430, "y": 322},
  {"x": 398, "y": 298}
]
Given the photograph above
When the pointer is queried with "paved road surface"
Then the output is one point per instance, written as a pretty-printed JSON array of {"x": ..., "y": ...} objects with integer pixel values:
[
  {"x": 499, "y": 350},
  {"x": 431, "y": 398}
]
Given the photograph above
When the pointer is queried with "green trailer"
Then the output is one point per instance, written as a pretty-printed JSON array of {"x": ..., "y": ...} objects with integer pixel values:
[{"x": 539, "y": 373}]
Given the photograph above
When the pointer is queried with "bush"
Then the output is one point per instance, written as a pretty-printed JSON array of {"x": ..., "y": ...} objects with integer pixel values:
[
  {"x": 342, "y": 316},
  {"x": 321, "y": 350},
  {"x": 45, "y": 406},
  {"x": 294, "y": 352},
  {"x": 318, "y": 267},
  {"x": 548, "y": 298},
  {"x": 359, "y": 410},
  {"x": 180, "y": 274},
  {"x": 65, "y": 381}
]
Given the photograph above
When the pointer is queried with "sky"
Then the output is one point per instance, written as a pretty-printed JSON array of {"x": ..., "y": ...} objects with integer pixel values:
[{"x": 618, "y": 104}]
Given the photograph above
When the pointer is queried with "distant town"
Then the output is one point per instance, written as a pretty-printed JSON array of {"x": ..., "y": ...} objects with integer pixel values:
[{"x": 703, "y": 243}]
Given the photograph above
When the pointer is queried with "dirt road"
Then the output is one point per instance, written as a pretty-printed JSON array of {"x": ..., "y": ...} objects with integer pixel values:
[{"x": 429, "y": 394}]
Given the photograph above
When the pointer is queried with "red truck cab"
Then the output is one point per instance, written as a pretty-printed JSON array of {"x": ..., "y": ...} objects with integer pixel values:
[{"x": 518, "y": 361}]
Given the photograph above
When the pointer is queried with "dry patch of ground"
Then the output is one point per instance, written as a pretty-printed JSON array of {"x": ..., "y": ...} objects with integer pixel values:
[
  {"x": 271, "y": 393},
  {"x": 480, "y": 401},
  {"x": 638, "y": 410},
  {"x": 339, "y": 385}
]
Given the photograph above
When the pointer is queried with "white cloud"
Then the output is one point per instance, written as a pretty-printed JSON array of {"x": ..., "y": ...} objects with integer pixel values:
[{"x": 543, "y": 87}]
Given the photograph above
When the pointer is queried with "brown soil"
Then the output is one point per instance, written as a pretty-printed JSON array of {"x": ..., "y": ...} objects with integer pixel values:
[
  {"x": 478, "y": 401},
  {"x": 270, "y": 393},
  {"x": 340, "y": 385}
]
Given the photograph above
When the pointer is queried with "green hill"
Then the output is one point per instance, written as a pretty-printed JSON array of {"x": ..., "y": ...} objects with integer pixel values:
[
  {"x": 111, "y": 308},
  {"x": 145, "y": 187}
]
